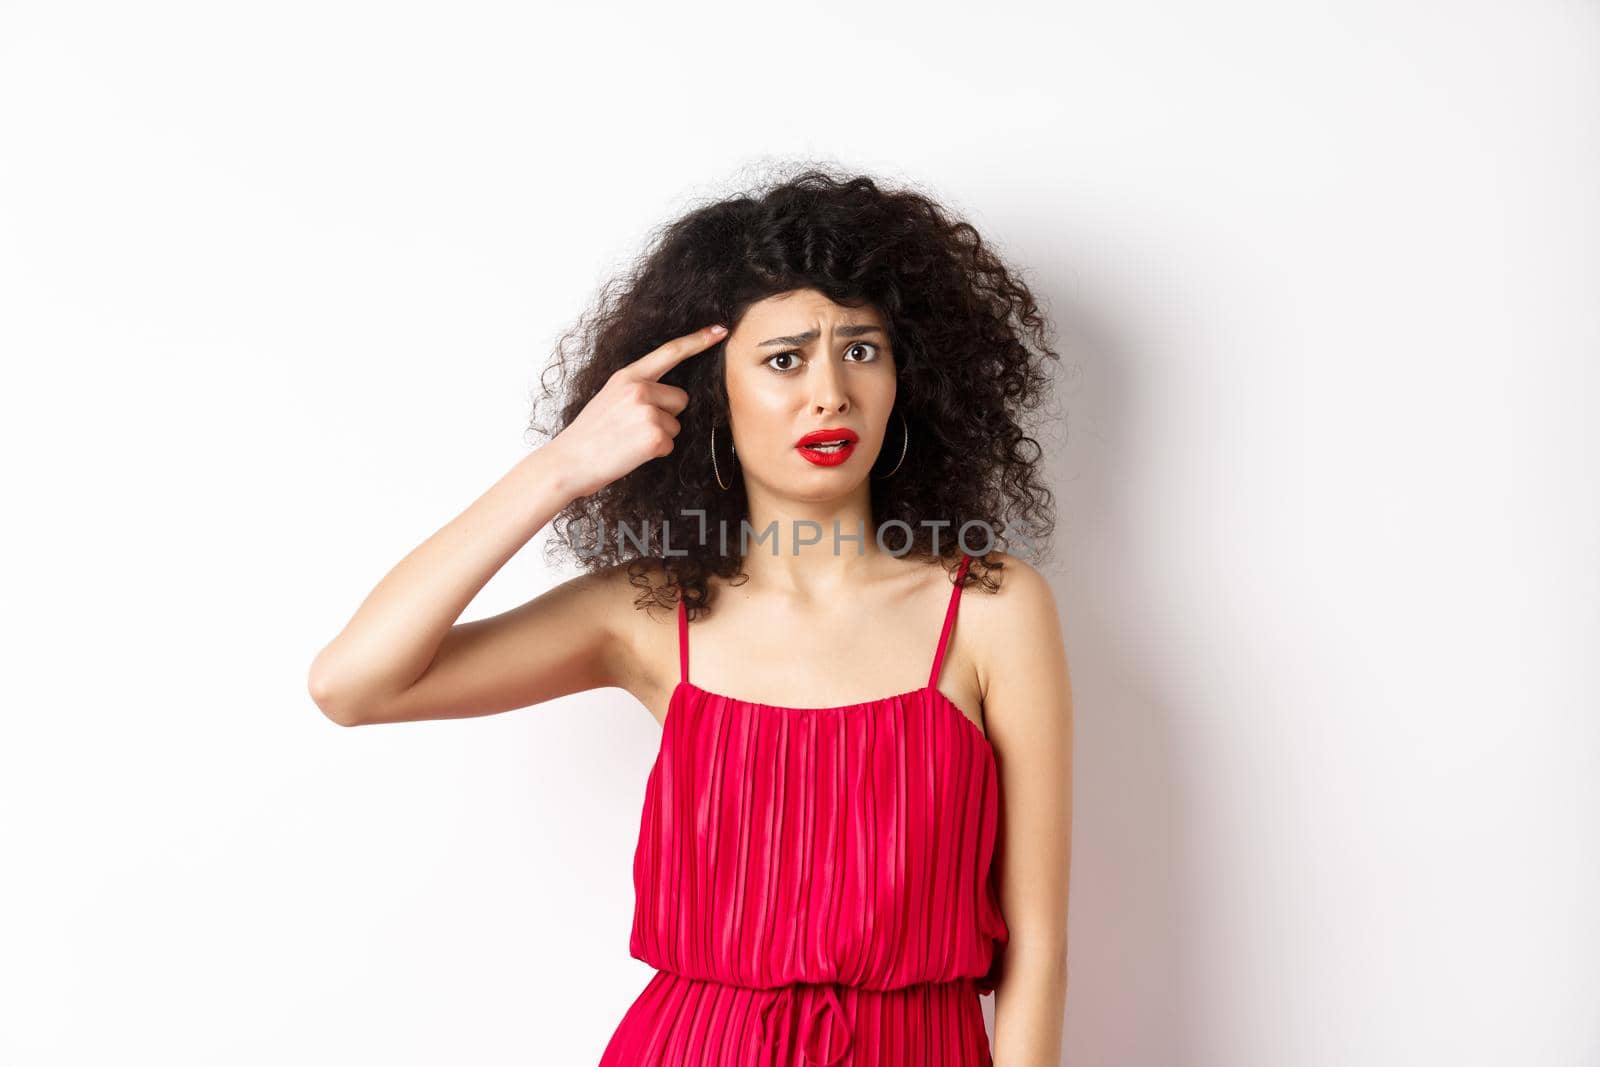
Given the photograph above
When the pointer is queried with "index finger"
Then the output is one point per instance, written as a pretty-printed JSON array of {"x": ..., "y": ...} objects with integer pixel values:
[{"x": 654, "y": 364}]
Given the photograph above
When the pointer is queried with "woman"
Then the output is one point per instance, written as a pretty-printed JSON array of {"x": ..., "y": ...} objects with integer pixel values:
[{"x": 825, "y": 874}]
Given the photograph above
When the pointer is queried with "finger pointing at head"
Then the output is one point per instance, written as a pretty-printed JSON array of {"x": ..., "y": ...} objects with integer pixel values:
[{"x": 654, "y": 364}]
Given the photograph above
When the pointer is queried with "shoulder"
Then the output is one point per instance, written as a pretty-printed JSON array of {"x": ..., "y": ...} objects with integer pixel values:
[
  {"x": 612, "y": 591},
  {"x": 1016, "y": 632},
  {"x": 640, "y": 615},
  {"x": 620, "y": 600},
  {"x": 1022, "y": 597},
  {"x": 631, "y": 594}
]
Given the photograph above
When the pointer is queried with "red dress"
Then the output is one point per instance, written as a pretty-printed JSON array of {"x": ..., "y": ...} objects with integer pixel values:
[{"x": 814, "y": 886}]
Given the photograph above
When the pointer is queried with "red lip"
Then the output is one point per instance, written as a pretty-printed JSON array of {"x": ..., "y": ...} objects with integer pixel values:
[
  {"x": 827, "y": 459},
  {"x": 828, "y": 435}
]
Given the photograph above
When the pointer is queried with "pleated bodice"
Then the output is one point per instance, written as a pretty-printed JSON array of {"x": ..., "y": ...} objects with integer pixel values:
[{"x": 847, "y": 847}]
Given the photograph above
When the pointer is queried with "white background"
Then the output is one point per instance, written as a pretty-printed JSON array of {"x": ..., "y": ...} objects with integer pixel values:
[{"x": 276, "y": 281}]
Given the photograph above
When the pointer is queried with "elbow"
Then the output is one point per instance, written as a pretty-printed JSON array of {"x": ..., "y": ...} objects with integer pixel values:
[{"x": 331, "y": 699}]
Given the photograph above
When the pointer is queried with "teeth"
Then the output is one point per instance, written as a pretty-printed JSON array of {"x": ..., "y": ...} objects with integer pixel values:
[{"x": 832, "y": 446}]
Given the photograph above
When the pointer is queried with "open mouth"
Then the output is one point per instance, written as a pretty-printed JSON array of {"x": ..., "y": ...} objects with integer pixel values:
[{"x": 827, "y": 448}]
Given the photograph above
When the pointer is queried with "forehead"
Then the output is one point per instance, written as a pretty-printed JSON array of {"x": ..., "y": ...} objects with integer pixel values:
[{"x": 804, "y": 308}]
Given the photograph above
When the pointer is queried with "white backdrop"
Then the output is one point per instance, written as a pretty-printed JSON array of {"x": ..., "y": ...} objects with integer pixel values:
[{"x": 276, "y": 282}]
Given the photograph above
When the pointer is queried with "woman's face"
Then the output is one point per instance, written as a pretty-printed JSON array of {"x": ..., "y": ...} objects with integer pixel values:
[{"x": 798, "y": 363}]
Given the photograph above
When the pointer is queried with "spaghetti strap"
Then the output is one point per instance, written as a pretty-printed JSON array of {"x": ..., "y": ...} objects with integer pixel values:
[
  {"x": 949, "y": 621},
  {"x": 683, "y": 642}
]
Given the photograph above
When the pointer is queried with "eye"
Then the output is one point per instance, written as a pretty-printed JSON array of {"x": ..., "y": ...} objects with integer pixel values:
[
  {"x": 782, "y": 355},
  {"x": 870, "y": 355}
]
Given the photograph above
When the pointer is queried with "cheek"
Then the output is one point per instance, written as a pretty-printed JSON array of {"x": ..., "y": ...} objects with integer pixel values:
[
  {"x": 883, "y": 391},
  {"x": 758, "y": 395},
  {"x": 763, "y": 411}
]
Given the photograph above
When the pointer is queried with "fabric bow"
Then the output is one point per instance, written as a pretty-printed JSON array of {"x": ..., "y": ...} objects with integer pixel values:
[{"x": 830, "y": 1001}]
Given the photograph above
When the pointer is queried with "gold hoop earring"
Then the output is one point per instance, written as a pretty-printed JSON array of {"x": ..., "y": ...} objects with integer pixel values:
[
  {"x": 714, "y": 468},
  {"x": 905, "y": 441}
]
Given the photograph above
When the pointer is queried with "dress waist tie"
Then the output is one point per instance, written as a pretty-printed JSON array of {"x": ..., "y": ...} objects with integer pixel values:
[{"x": 830, "y": 1002}]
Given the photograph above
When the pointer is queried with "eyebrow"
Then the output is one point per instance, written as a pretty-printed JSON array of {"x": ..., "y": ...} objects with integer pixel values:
[{"x": 812, "y": 335}]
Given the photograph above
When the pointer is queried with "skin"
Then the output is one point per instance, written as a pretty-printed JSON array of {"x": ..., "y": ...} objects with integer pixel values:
[{"x": 794, "y": 362}]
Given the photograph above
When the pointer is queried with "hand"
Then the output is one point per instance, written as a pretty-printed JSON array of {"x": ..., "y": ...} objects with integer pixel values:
[{"x": 632, "y": 419}]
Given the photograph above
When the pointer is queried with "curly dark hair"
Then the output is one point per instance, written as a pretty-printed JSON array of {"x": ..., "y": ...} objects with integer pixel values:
[{"x": 969, "y": 341}]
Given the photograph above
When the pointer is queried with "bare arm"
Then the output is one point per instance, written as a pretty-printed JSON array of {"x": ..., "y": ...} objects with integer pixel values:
[
  {"x": 378, "y": 668},
  {"x": 1028, "y": 709},
  {"x": 403, "y": 656}
]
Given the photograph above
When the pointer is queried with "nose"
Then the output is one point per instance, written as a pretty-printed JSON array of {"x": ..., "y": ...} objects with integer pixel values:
[{"x": 828, "y": 394}]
